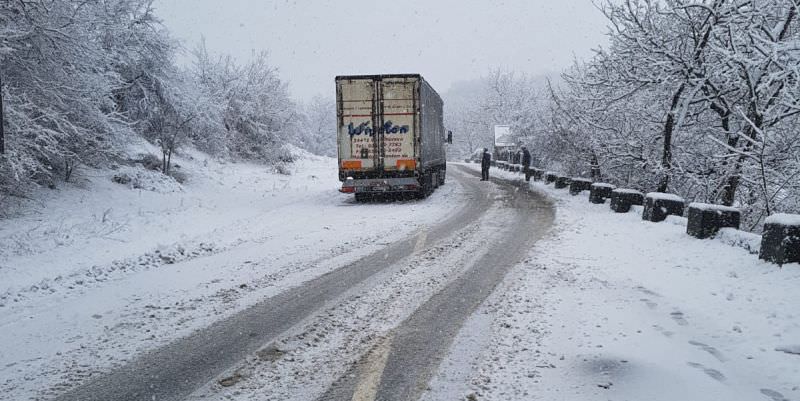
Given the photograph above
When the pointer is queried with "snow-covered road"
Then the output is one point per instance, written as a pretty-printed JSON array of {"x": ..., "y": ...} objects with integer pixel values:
[
  {"x": 400, "y": 366},
  {"x": 175, "y": 262},
  {"x": 296, "y": 344}
]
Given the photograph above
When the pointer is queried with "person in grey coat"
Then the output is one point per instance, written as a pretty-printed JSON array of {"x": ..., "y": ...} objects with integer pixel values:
[
  {"x": 526, "y": 163},
  {"x": 486, "y": 162}
]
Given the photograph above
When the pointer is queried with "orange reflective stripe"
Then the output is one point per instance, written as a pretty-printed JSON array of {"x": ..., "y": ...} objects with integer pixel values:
[
  {"x": 406, "y": 164},
  {"x": 351, "y": 164}
]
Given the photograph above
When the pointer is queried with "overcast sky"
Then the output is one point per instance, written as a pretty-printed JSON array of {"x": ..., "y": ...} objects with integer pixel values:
[{"x": 445, "y": 40}]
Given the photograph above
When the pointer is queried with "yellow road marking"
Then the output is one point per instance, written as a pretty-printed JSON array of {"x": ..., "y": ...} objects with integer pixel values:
[{"x": 372, "y": 370}]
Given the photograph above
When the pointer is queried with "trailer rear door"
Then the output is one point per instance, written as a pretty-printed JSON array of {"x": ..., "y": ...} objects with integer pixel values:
[
  {"x": 398, "y": 119},
  {"x": 377, "y": 123},
  {"x": 356, "y": 111}
]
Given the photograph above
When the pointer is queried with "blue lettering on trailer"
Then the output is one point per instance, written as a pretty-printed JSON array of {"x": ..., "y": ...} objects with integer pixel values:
[{"x": 365, "y": 129}]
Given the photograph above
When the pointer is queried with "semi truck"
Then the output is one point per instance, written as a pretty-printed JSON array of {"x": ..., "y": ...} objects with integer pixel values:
[{"x": 391, "y": 135}]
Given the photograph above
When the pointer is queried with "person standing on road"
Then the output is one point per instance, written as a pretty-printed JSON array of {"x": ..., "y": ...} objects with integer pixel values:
[
  {"x": 486, "y": 162},
  {"x": 526, "y": 163}
]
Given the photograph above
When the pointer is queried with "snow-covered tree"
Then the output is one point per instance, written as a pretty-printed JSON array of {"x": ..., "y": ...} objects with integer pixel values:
[
  {"x": 697, "y": 97},
  {"x": 257, "y": 115},
  {"x": 317, "y": 128},
  {"x": 55, "y": 81},
  {"x": 80, "y": 78},
  {"x": 500, "y": 98}
]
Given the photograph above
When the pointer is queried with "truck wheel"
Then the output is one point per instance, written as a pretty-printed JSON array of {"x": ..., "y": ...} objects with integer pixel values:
[
  {"x": 361, "y": 198},
  {"x": 442, "y": 174},
  {"x": 431, "y": 183},
  {"x": 425, "y": 189}
]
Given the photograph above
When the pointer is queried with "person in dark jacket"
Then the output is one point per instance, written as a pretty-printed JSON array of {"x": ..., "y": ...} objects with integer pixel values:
[
  {"x": 526, "y": 163},
  {"x": 486, "y": 162}
]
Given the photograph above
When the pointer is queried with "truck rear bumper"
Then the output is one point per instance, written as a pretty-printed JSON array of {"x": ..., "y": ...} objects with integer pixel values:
[{"x": 380, "y": 185}]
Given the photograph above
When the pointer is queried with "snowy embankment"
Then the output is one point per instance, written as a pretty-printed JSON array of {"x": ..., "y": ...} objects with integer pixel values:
[
  {"x": 101, "y": 272},
  {"x": 613, "y": 307}
]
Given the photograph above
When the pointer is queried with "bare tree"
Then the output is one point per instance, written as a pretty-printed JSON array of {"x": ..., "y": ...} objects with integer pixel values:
[{"x": 699, "y": 97}]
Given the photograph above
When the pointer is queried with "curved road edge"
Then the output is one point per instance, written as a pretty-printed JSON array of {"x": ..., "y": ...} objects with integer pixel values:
[{"x": 402, "y": 365}]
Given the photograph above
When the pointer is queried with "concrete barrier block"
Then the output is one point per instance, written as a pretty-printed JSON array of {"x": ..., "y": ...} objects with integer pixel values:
[
  {"x": 578, "y": 185},
  {"x": 599, "y": 192},
  {"x": 562, "y": 182},
  {"x": 780, "y": 241},
  {"x": 705, "y": 220},
  {"x": 658, "y": 205},
  {"x": 623, "y": 198}
]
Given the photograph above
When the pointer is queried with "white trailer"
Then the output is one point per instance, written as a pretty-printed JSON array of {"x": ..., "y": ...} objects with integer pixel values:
[{"x": 391, "y": 135}]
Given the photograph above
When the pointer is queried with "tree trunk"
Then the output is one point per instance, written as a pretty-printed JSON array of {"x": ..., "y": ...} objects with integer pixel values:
[
  {"x": 756, "y": 123},
  {"x": 757, "y": 120},
  {"x": 732, "y": 181},
  {"x": 169, "y": 160},
  {"x": 595, "y": 167},
  {"x": 68, "y": 167},
  {"x": 669, "y": 127}
]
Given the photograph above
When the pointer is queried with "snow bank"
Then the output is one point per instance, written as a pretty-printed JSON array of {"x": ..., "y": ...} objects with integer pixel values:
[
  {"x": 627, "y": 191},
  {"x": 137, "y": 177},
  {"x": 749, "y": 241},
  {"x": 709, "y": 206},
  {"x": 677, "y": 220},
  {"x": 664, "y": 196},
  {"x": 783, "y": 219},
  {"x": 789, "y": 349}
]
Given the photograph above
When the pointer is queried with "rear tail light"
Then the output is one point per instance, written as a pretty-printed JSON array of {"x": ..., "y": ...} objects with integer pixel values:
[{"x": 348, "y": 190}]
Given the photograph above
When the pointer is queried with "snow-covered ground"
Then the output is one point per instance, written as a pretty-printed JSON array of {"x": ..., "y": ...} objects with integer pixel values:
[
  {"x": 101, "y": 272},
  {"x": 606, "y": 307},
  {"x": 613, "y": 307}
]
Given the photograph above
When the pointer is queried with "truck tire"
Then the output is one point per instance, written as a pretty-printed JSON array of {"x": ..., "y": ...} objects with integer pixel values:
[
  {"x": 426, "y": 187},
  {"x": 441, "y": 175},
  {"x": 361, "y": 198}
]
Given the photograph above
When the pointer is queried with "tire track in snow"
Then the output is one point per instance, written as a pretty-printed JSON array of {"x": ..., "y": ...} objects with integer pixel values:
[
  {"x": 174, "y": 371},
  {"x": 422, "y": 340}
]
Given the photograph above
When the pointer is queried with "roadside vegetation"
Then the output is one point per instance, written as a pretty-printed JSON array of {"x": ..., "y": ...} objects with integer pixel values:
[
  {"x": 83, "y": 80},
  {"x": 698, "y": 98}
]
